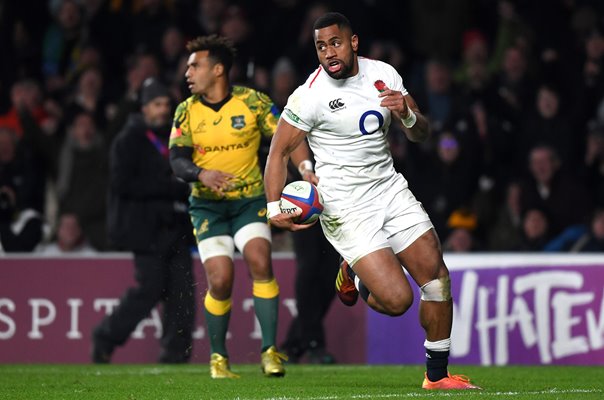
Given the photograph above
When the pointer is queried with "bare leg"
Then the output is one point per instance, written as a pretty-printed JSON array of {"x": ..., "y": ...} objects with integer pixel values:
[
  {"x": 423, "y": 259},
  {"x": 381, "y": 273}
]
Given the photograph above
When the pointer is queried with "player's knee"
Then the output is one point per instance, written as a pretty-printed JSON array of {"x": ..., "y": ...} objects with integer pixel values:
[
  {"x": 258, "y": 261},
  {"x": 398, "y": 304},
  {"x": 257, "y": 256},
  {"x": 221, "y": 286},
  {"x": 437, "y": 289}
]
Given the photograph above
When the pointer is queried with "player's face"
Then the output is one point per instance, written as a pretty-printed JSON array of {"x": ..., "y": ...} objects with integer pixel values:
[
  {"x": 336, "y": 49},
  {"x": 200, "y": 72}
]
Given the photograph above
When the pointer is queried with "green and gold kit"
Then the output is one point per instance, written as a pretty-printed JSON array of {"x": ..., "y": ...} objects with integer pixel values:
[{"x": 227, "y": 138}]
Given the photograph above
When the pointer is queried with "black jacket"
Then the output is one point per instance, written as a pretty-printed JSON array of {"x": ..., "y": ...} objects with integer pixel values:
[{"x": 147, "y": 203}]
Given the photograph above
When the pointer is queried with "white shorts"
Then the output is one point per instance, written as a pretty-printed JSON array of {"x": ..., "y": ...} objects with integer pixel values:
[{"x": 396, "y": 219}]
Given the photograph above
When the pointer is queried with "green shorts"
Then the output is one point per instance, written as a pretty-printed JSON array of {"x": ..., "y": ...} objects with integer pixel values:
[{"x": 224, "y": 217}]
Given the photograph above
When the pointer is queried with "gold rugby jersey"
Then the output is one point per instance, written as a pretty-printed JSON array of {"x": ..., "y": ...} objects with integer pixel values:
[{"x": 227, "y": 139}]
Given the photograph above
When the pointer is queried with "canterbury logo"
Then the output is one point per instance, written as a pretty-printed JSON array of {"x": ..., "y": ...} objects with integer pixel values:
[{"x": 336, "y": 104}]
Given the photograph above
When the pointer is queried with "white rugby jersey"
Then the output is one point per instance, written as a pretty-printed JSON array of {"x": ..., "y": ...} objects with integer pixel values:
[{"x": 347, "y": 132}]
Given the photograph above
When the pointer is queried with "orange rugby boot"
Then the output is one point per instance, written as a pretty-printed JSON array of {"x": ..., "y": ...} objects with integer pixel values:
[{"x": 450, "y": 382}]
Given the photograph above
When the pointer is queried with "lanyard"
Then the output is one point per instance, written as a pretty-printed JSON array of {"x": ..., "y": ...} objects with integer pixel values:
[{"x": 159, "y": 145}]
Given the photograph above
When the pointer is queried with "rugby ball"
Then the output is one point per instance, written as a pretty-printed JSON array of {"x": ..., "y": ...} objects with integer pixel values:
[{"x": 304, "y": 196}]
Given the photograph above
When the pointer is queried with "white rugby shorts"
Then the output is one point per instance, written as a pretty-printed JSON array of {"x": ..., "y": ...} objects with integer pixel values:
[{"x": 395, "y": 219}]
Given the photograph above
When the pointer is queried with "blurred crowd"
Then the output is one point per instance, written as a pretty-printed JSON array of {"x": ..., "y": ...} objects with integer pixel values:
[{"x": 514, "y": 91}]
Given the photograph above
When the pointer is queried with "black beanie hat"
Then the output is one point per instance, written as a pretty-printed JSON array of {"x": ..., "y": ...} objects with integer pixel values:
[{"x": 152, "y": 89}]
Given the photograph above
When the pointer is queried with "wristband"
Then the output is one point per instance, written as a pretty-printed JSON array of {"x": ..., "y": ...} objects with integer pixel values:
[
  {"x": 410, "y": 120},
  {"x": 273, "y": 208},
  {"x": 304, "y": 166}
]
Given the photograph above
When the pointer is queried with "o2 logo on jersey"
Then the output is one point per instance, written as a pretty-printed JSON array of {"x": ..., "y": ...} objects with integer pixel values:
[{"x": 367, "y": 122}]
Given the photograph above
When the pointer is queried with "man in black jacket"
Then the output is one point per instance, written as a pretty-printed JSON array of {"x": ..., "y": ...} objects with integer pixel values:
[{"x": 148, "y": 215}]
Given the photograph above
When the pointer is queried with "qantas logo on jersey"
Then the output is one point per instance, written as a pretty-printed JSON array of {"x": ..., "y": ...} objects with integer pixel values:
[
  {"x": 224, "y": 147},
  {"x": 336, "y": 105}
]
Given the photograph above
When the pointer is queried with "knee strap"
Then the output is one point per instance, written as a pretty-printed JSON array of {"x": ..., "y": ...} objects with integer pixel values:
[
  {"x": 216, "y": 246},
  {"x": 251, "y": 231},
  {"x": 437, "y": 290}
]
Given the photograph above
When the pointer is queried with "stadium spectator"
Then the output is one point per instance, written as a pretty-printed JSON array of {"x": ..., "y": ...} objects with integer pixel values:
[
  {"x": 504, "y": 233},
  {"x": 21, "y": 224},
  {"x": 173, "y": 62},
  {"x": 209, "y": 15},
  {"x": 82, "y": 178},
  {"x": 19, "y": 172},
  {"x": 491, "y": 140},
  {"x": 148, "y": 22},
  {"x": 227, "y": 206},
  {"x": 111, "y": 43},
  {"x": 514, "y": 87},
  {"x": 439, "y": 97},
  {"x": 535, "y": 231},
  {"x": 565, "y": 200},
  {"x": 588, "y": 78},
  {"x": 63, "y": 43},
  {"x": 448, "y": 182},
  {"x": 88, "y": 97},
  {"x": 147, "y": 216},
  {"x": 27, "y": 107},
  {"x": 549, "y": 125},
  {"x": 284, "y": 79},
  {"x": 70, "y": 239},
  {"x": 593, "y": 240},
  {"x": 238, "y": 28},
  {"x": 140, "y": 66},
  {"x": 21, "y": 230},
  {"x": 593, "y": 164},
  {"x": 460, "y": 240},
  {"x": 301, "y": 53},
  {"x": 450, "y": 16},
  {"x": 370, "y": 217},
  {"x": 475, "y": 56}
]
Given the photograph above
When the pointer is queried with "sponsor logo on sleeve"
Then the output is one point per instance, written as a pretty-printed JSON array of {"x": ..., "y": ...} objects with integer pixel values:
[{"x": 291, "y": 115}]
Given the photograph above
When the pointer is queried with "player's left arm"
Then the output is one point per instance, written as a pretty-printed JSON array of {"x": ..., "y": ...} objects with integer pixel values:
[{"x": 405, "y": 109}]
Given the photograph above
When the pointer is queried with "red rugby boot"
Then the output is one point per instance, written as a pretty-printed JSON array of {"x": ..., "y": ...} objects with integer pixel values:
[{"x": 347, "y": 292}]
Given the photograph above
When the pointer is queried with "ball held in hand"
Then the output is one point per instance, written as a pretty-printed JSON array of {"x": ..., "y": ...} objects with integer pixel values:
[{"x": 304, "y": 196}]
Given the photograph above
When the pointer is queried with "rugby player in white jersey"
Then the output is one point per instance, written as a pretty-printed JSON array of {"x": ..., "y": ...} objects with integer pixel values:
[{"x": 371, "y": 217}]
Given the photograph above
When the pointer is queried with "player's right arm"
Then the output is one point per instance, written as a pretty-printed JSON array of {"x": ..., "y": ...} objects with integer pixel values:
[
  {"x": 181, "y": 155},
  {"x": 286, "y": 139}
]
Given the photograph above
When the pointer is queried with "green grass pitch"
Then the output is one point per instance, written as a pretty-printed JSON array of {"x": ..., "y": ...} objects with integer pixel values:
[{"x": 192, "y": 382}]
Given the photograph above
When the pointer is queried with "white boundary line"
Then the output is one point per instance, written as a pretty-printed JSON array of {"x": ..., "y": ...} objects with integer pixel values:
[{"x": 458, "y": 393}]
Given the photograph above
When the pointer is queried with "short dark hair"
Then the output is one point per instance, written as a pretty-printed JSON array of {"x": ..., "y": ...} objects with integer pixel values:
[
  {"x": 332, "y": 18},
  {"x": 219, "y": 48}
]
